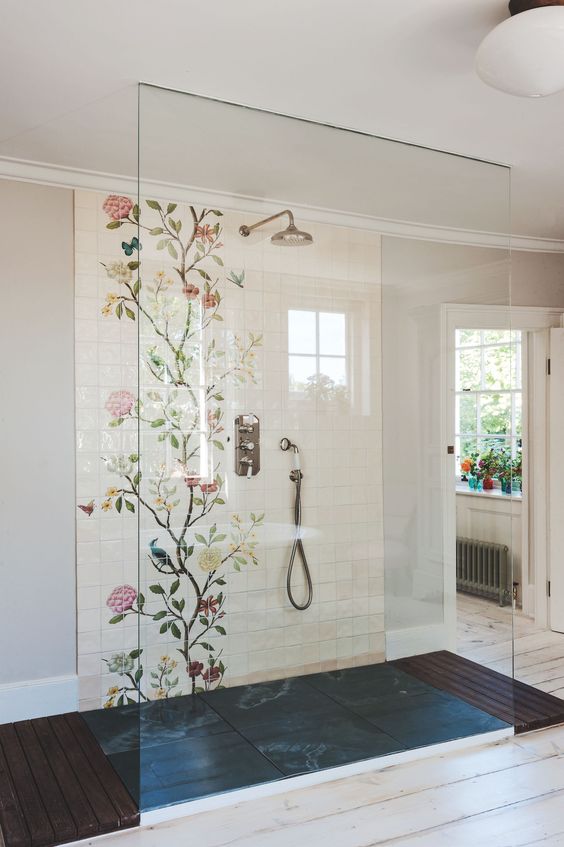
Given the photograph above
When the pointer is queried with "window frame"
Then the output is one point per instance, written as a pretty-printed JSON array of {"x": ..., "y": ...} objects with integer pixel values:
[
  {"x": 317, "y": 356},
  {"x": 513, "y": 439}
]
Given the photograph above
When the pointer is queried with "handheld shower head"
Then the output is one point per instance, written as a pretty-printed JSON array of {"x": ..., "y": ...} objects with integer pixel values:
[
  {"x": 285, "y": 445},
  {"x": 289, "y": 237},
  {"x": 296, "y": 476}
]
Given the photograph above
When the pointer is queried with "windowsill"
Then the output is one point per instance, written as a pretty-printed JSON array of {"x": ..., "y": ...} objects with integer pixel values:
[{"x": 462, "y": 488}]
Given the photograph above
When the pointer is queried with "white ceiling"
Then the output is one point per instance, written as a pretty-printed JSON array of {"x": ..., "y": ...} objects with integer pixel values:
[{"x": 399, "y": 69}]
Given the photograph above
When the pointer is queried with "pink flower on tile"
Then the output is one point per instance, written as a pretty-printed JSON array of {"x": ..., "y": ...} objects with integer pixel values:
[
  {"x": 120, "y": 403},
  {"x": 192, "y": 481},
  {"x": 212, "y": 674},
  {"x": 194, "y": 669},
  {"x": 190, "y": 291},
  {"x": 209, "y": 487},
  {"x": 209, "y": 301},
  {"x": 117, "y": 207},
  {"x": 121, "y": 599},
  {"x": 209, "y": 606},
  {"x": 205, "y": 233}
]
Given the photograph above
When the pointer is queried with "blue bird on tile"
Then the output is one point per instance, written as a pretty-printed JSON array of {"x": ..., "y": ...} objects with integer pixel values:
[{"x": 160, "y": 557}]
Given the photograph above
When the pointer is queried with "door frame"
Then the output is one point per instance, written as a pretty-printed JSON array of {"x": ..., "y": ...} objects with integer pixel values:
[{"x": 527, "y": 319}]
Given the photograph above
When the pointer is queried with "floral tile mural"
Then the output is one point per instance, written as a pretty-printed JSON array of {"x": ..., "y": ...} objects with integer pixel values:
[
  {"x": 177, "y": 411},
  {"x": 181, "y": 325}
]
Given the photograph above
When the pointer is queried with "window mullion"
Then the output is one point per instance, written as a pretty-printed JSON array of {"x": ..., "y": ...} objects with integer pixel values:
[
  {"x": 317, "y": 348},
  {"x": 513, "y": 426}
]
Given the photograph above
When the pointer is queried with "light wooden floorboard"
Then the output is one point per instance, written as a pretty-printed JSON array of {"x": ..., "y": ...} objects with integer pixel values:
[
  {"x": 510, "y": 794},
  {"x": 485, "y": 636}
]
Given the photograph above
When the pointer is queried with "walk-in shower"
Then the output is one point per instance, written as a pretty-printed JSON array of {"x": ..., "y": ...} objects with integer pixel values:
[{"x": 267, "y": 646}]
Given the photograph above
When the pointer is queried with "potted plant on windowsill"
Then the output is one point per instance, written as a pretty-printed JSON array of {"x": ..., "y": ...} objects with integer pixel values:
[
  {"x": 470, "y": 469},
  {"x": 517, "y": 473},
  {"x": 488, "y": 464},
  {"x": 505, "y": 471}
]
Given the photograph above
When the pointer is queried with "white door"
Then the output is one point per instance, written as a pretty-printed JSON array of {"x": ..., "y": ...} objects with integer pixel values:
[{"x": 556, "y": 479}]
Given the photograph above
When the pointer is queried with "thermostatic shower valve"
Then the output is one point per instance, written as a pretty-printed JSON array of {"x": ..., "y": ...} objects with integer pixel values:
[{"x": 247, "y": 445}]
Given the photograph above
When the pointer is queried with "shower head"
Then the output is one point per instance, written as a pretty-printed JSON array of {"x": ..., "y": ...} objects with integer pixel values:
[
  {"x": 289, "y": 237},
  {"x": 292, "y": 237}
]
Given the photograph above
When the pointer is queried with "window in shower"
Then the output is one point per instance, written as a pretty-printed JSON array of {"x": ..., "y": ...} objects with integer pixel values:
[
  {"x": 488, "y": 395},
  {"x": 317, "y": 353}
]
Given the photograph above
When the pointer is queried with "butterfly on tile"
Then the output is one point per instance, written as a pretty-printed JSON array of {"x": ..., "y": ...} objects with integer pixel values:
[
  {"x": 129, "y": 248},
  {"x": 88, "y": 509},
  {"x": 237, "y": 279}
]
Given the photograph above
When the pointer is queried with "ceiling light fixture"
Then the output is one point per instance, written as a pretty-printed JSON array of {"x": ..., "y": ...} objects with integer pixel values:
[{"x": 524, "y": 55}]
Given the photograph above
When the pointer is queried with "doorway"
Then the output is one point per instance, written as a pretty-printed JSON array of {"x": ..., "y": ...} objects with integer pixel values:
[{"x": 505, "y": 417}]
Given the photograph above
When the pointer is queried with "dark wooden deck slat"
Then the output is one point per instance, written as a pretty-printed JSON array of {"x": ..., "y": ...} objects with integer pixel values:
[
  {"x": 463, "y": 687},
  {"x": 498, "y": 695},
  {"x": 458, "y": 690},
  {"x": 122, "y": 801},
  {"x": 84, "y": 818},
  {"x": 484, "y": 688},
  {"x": 84, "y": 773},
  {"x": 12, "y": 821},
  {"x": 57, "y": 785},
  {"x": 36, "y": 818},
  {"x": 522, "y": 692},
  {"x": 61, "y": 819},
  {"x": 503, "y": 710},
  {"x": 526, "y": 700}
]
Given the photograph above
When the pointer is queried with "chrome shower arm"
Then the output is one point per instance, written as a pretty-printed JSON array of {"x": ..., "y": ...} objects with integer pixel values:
[{"x": 245, "y": 230}]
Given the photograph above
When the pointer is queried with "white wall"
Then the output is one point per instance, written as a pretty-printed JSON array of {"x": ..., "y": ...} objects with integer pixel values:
[
  {"x": 37, "y": 528},
  {"x": 537, "y": 279}
]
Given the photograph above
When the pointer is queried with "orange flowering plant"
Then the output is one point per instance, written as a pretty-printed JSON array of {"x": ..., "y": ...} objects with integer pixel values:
[{"x": 469, "y": 464}]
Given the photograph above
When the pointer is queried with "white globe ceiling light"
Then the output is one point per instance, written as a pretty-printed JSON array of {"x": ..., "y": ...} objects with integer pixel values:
[{"x": 524, "y": 55}]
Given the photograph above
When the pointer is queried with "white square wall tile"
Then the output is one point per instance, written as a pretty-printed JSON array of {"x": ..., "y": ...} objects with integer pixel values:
[{"x": 342, "y": 495}]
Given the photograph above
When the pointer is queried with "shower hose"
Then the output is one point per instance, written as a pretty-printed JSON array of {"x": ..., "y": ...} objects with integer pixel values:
[{"x": 297, "y": 545}]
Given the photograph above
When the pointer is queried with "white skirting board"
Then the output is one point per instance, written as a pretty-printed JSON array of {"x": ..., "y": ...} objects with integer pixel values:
[
  {"x": 269, "y": 789},
  {"x": 36, "y": 698}
]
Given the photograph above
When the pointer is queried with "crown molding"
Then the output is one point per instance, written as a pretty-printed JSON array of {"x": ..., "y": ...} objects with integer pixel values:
[{"x": 75, "y": 178}]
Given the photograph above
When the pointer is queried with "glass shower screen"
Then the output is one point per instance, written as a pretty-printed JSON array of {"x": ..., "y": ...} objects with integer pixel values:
[{"x": 344, "y": 344}]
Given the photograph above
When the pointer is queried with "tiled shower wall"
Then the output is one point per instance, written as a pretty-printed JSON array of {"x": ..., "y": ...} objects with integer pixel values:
[{"x": 256, "y": 634}]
